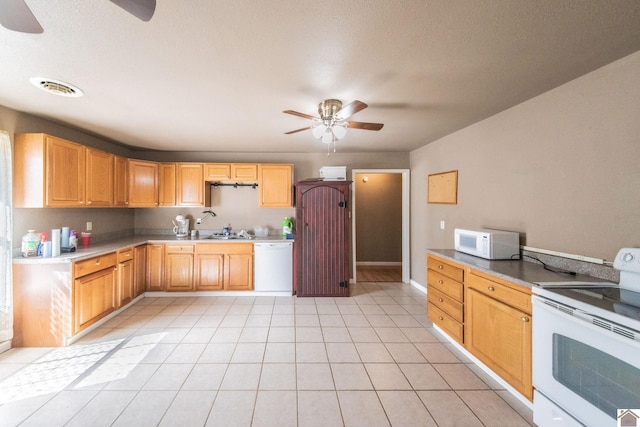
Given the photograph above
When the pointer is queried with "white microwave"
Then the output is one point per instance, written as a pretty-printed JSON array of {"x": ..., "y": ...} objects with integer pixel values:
[{"x": 489, "y": 244}]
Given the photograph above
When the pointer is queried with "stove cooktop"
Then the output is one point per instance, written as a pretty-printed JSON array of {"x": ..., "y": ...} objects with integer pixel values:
[{"x": 610, "y": 299}]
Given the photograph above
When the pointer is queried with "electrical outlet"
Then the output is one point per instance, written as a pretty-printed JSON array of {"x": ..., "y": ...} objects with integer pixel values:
[
  {"x": 442, "y": 225},
  {"x": 198, "y": 221},
  {"x": 89, "y": 226}
]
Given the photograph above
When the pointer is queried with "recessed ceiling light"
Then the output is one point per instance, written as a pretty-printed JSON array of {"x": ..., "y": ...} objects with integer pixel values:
[{"x": 56, "y": 87}]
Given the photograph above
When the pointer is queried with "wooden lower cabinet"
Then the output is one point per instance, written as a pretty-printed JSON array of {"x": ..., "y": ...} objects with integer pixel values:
[
  {"x": 498, "y": 329},
  {"x": 155, "y": 267},
  {"x": 126, "y": 276},
  {"x": 140, "y": 270},
  {"x": 179, "y": 267},
  {"x": 94, "y": 290},
  {"x": 224, "y": 266},
  {"x": 445, "y": 296}
]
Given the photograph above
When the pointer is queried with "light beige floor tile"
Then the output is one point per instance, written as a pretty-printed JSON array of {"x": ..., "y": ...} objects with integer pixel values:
[
  {"x": 239, "y": 310},
  {"x": 205, "y": 376},
  {"x": 195, "y": 310},
  {"x": 314, "y": 376},
  {"x": 24, "y": 354},
  {"x": 186, "y": 353},
  {"x": 226, "y": 335},
  {"x": 485, "y": 377},
  {"x": 275, "y": 409},
  {"x": 380, "y": 320},
  {"x": 387, "y": 376},
  {"x": 336, "y": 334},
  {"x": 169, "y": 376},
  {"x": 278, "y": 376},
  {"x": 258, "y": 320},
  {"x": 327, "y": 309},
  {"x": 350, "y": 376},
  {"x": 311, "y": 352},
  {"x": 184, "y": 321},
  {"x": 309, "y": 334},
  {"x": 405, "y": 321},
  {"x": 436, "y": 353},
  {"x": 234, "y": 321},
  {"x": 282, "y": 320},
  {"x": 134, "y": 377},
  {"x": 217, "y": 353},
  {"x": 209, "y": 321},
  {"x": 405, "y": 353},
  {"x": 373, "y": 353},
  {"x": 146, "y": 409},
  {"x": 355, "y": 320},
  {"x": 254, "y": 335},
  {"x": 280, "y": 353},
  {"x": 199, "y": 335},
  {"x": 284, "y": 334},
  {"x": 306, "y": 309},
  {"x": 283, "y": 309},
  {"x": 241, "y": 377},
  {"x": 232, "y": 408},
  {"x": 492, "y": 409},
  {"x": 189, "y": 408},
  {"x": 174, "y": 335},
  {"x": 261, "y": 309},
  {"x": 103, "y": 409},
  {"x": 459, "y": 377},
  {"x": 173, "y": 310},
  {"x": 59, "y": 410},
  {"x": 524, "y": 411},
  {"x": 404, "y": 408},
  {"x": 248, "y": 353},
  {"x": 328, "y": 320},
  {"x": 366, "y": 334},
  {"x": 423, "y": 376},
  {"x": 349, "y": 309},
  {"x": 384, "y": 299},
  {"x": 342, "y": 353},
  {"x": 393, "y": 308},
  {"x": 448, "y": 409},
  {"x": 158, "y": 353},
  {"x": 319, "y": 409},
  {"x": 307, "y": 320},
  {"x": 391, "y": 335},
  {"x": 361, "y": 408},
  {"x": 371, "y": 308}
]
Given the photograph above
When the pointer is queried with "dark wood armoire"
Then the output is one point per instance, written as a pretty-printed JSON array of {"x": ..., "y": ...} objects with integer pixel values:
[{"x": 322, "y": 239}]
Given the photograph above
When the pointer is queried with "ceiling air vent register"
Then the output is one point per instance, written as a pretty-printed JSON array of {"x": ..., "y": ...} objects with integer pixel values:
[{"x": 56, "y": 87}]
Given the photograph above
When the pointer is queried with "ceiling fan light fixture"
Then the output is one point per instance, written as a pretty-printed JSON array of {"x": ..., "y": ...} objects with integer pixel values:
[
  {"x": 318, "y": 131},
  {"x": 56, "y": 87},
  {"x": 339, "y": 131},
  {"x": 328, "y": 136}
]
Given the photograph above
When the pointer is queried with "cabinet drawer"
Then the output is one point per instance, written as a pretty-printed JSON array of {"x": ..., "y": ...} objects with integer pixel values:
[
  {"x": 450, "y": 270},
  {"x": 520, "y": 299},
  {"x": 180, "y": 249},
  {"x": 125, "y": 255},
  {"x": 447, "y": 304},
  {"x": 446, "y": 322},
  {"x": 91, "y": 265},
  {"x": 444, "y": 284},
  {"x": 224, "y": 248}
]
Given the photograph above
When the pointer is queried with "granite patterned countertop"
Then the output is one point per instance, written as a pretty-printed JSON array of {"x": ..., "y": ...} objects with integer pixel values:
[
  {"x": 102, "y": 248},
  {"x": 523, "y": 273}
]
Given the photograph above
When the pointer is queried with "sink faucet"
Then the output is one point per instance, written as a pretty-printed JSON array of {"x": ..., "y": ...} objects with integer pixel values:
[{"x": 226, "y": 230}]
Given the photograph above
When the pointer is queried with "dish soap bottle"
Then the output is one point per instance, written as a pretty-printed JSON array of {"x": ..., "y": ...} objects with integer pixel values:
[
  {"x": 287, "y": 227},
  {"x": 30, "y": 242}
]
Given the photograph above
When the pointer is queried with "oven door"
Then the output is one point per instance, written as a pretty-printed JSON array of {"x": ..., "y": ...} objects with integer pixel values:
[{"x": 585, "y": 369}]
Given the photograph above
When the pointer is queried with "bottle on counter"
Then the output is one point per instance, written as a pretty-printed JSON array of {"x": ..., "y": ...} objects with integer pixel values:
[{"x": 30, "y": 243}]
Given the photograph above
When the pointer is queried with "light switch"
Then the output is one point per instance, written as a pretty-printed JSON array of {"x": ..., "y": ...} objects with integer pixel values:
[{"x": 442, "y": 225}]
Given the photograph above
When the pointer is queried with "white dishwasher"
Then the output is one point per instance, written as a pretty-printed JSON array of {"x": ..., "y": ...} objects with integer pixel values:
[{"x": 273, "y": 267}]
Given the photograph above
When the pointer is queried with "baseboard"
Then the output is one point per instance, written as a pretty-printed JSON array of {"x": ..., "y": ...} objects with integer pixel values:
[
  {"x": 418, "y": 286},
  {"x": 5, "y": 345},
  {"x": 378, "y": 264}
]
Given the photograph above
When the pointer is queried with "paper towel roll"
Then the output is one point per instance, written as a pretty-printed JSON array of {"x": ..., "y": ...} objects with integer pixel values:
[{"x": 55, "y": 242}]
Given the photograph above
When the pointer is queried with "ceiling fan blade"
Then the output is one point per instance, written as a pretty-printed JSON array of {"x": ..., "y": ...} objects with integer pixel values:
[
  {"x": 141, "y": 9},
  {"x": 364, "y": 125},
  {"x": 15, "y": 15},
  {"x": 350, "y": 109},
  {"x": 303, "y": 115},
  {"x": 298, "y": 130}
]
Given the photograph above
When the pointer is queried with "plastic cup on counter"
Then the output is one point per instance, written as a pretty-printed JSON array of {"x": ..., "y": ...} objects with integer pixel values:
[{"x": 85, "y": 239}]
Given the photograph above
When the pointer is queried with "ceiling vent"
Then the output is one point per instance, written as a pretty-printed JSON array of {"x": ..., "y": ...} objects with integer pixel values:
[{"x": 56, "y": 87}]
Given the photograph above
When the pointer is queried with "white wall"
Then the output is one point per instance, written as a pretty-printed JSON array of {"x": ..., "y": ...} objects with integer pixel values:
[{"x": 563, "y": 169}]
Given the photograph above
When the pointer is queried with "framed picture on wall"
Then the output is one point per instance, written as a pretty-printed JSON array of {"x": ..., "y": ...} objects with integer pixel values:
[{"x": 443, "y": 188}]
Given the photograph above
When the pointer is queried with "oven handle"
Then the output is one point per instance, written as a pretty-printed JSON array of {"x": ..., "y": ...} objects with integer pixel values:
[{"x": 595, "y": 323}]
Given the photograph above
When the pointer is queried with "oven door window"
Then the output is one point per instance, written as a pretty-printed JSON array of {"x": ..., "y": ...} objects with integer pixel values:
[{"x": 606, "y": 382}]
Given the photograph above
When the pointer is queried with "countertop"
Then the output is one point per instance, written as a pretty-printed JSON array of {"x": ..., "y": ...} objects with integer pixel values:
[
  {"x": 523, "y": 273},
  {"x": 117, "y": 244}
]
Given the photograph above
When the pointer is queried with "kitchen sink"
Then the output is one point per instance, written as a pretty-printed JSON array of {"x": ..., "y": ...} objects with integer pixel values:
[{"x": 232, "y": 236}]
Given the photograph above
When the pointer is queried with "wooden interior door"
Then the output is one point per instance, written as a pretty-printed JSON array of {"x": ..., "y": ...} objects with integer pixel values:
[{"x": 322, "y": 228}]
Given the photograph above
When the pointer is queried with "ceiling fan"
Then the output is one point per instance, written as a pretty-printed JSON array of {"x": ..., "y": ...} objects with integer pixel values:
[
  {"x": 332, "y": 124},
  {"x": 15, "y": 14}
]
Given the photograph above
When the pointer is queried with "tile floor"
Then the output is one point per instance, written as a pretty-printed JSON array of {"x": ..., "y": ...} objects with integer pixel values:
[{"x": 369, "y": 360}]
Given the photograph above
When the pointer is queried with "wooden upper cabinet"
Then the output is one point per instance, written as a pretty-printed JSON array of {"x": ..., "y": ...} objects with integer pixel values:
[
  {"x": 120, "y": 182},
  {"x": 99, "y": 178},
  {"x": 143, "y": 183},
  {"x": 191, "y": 189},
  {"x": 275, "y": 186},
  {"x": 217, "y": 172},
  {"x": 244, "y": 172},
  {"x": 167, "y": 184}
]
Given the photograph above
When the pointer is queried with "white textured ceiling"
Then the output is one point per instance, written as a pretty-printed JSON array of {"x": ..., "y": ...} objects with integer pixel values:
[{"x": 215, "y": 75}]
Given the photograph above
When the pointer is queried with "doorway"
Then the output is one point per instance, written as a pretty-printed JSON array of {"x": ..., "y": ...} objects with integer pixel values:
[{"x": 377, "y": 225}]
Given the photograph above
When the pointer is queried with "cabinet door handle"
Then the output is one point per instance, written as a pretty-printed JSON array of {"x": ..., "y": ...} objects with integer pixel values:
[
  {"x": 440, "y": 299},
  {"x": 441, "y": 281},
  {"x": 491, "y": 288},
  {"x": 524, "y": 318},
  {"x": 440, "y": 266},
  {"x": 440, "y": 318},
  {"x": 97, "y": 262}
]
